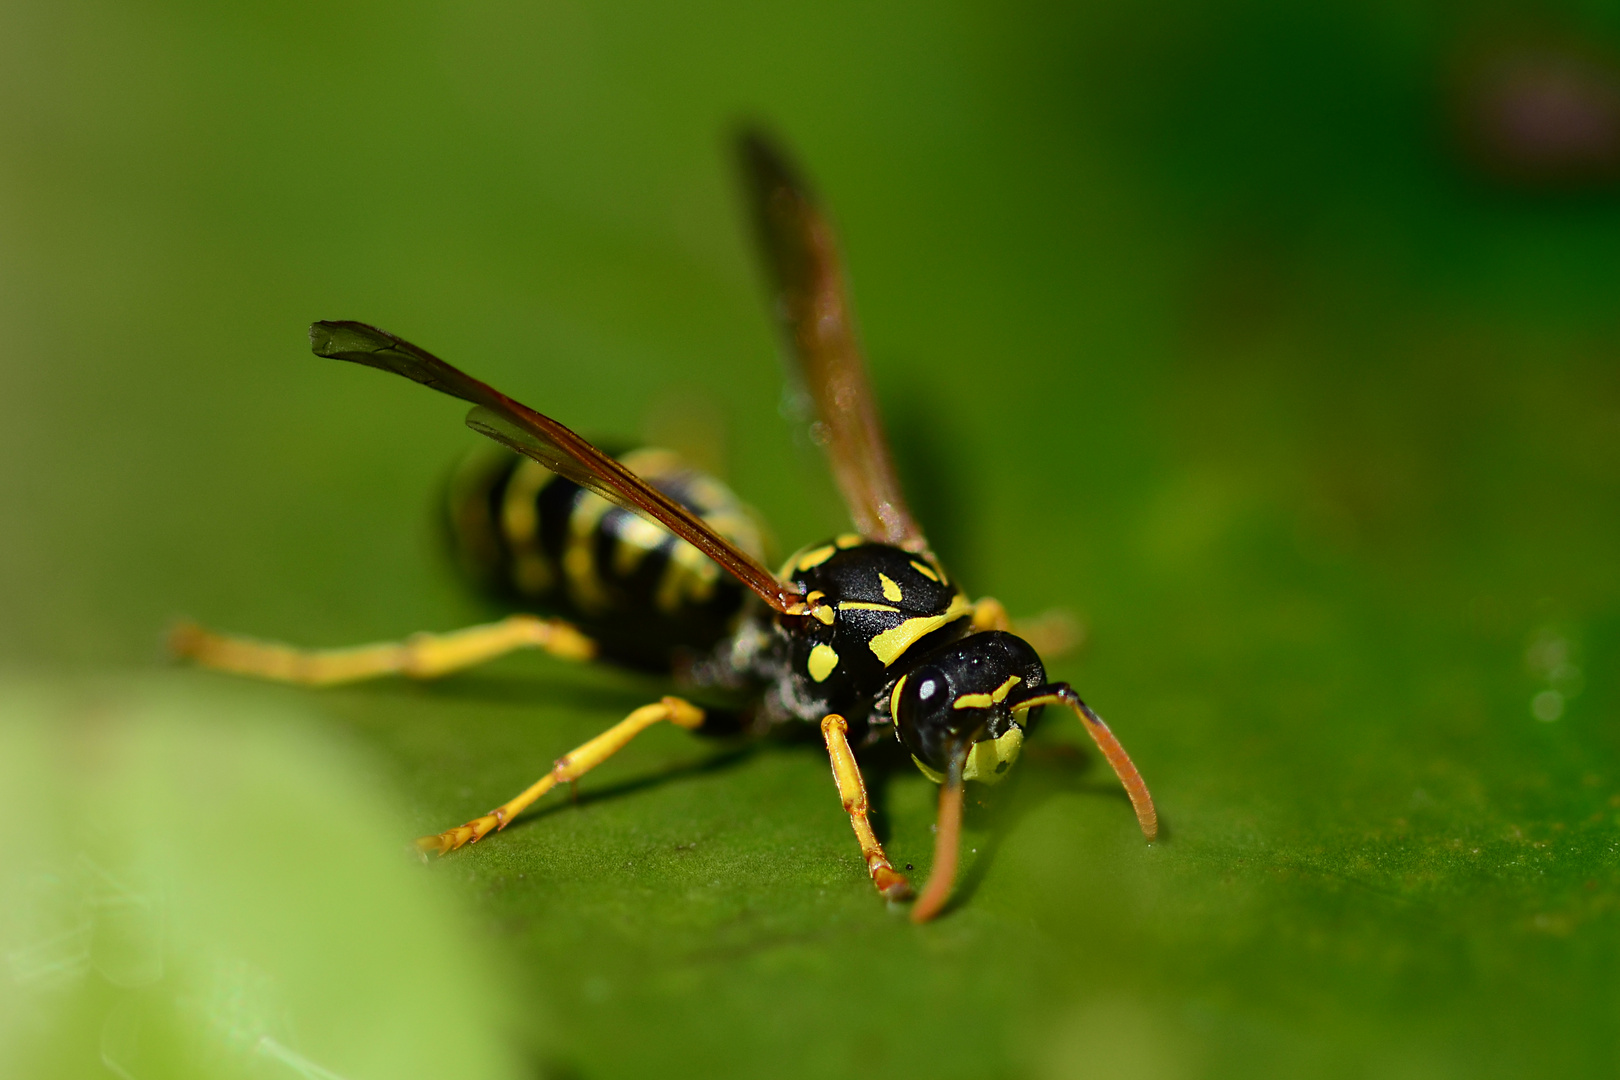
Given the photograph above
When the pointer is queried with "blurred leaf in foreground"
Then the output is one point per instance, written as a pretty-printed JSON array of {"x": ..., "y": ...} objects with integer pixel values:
[{"x": 208, "y": 890}]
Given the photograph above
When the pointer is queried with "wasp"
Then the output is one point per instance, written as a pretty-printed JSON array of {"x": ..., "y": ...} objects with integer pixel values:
[{"x": 645, "y": 561}]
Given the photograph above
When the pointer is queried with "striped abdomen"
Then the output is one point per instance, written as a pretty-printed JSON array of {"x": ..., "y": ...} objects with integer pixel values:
[{"x": 543, "y": 543}]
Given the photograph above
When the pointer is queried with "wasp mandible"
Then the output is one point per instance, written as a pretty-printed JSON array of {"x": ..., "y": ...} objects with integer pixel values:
[{"x": 645, "y": 561}]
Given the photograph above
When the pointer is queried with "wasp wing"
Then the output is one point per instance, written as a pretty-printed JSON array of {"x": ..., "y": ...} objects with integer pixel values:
[
  {"x": 548, "y": 442},
  {"x": 807, "y": 281}
]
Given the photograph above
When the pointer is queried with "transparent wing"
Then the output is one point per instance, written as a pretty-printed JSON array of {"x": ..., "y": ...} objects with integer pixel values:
[
  {"x": 807, "y": 280},
  {"x": 548, "y": 442}
]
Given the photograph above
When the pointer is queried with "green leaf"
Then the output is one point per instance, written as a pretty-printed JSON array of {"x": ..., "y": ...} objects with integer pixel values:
[{"x": 1204, "y": 322}]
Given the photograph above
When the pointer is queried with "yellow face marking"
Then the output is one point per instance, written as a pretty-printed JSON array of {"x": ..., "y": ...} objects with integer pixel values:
[
  {"x": 862, "y": 605},
  {"x": 822, "y": 661},
  {"x": 999, "y": 694},
  {"x": 973, "y": 701},
  {"x": 891, "y": 591},
  {"x": 924, "y": 570},
  {"x": 849, "y": 540},
  {"x": 891, "y": 643},
  {"x": 894, "y": 698},
  {"x": 815, "y": 557},
  {"x": 1023, "y": 707},
  {"x": 987, "y": 762}
]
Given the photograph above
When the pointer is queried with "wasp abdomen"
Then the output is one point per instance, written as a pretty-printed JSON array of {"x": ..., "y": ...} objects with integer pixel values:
[{"x": 537, "y": 540}]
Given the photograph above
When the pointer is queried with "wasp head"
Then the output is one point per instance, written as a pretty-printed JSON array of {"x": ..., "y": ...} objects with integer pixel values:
[{"x": 967, "y": 700}]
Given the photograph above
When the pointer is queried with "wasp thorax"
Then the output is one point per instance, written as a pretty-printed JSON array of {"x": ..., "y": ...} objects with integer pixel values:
[
  {"x": 964, "y": 698},
  {"x": 872, "y": 606}
]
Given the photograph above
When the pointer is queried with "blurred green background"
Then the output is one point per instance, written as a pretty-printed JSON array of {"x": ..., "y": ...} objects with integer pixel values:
[{"x": 1278, "y": 342}]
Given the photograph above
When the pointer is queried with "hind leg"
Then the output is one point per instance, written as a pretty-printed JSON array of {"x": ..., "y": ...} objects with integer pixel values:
[{"x": 420, "y": 656}]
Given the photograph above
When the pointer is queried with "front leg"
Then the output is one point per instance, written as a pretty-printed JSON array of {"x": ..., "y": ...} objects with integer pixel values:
[{"x": 890, "y": 884}]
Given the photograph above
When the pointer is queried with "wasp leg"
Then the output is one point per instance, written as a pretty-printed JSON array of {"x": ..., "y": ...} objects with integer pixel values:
[
  {"x": 570, "y": 767},
  {"x": 891, "y": 884},
  {"x": 420, "y": 656},
  {"x": 1051, "y": 633},
  {"x": 990, "y": 614}
]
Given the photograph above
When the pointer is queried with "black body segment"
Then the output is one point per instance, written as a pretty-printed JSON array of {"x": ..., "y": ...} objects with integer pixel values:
[
  {"x": 539, "y": 541},
  {"x": 879, "y": 608}
]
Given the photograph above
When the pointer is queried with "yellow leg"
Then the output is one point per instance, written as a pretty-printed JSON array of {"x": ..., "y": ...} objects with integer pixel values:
[
  {"x": 570, "y": 767},
  {"x": 989, "y": 614},
  {"x": 852, "y": 789},
  {"x": 1051, "y": 633},
  {"x": 420, "y": 656}
]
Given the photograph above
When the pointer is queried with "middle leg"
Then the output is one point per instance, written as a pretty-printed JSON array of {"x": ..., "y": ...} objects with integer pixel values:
[{"x": 570, "y": 767}]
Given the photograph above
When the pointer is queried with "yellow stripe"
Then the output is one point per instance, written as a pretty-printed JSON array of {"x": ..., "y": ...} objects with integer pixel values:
[
  {"x": 1000, "y": 693},
  {"x": 862, "y": 605},
  {"x": 579, "y": 560},
  {"x": 812, "y": 559},
  {"x": 520, "y": 522},
  {"x": 891, "y": 643},
  {"x": 933, "y": 774},
  {"x": 924, "y": 571},
  {"x": 894, "y": 698}
]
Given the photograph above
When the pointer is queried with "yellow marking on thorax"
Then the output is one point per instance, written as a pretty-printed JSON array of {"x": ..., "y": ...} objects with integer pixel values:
[
  {"x": 849, "y": 540},
  {"x": 891, "y": 591},
  {"x": 815, "y": 557},
  {"x": 891, "y": 643},
  {"x": 862, "y": 605},
  {"x": 924, "y": 570},
  {"x": 823, "y": 612},
  {"x": 822, "y": 661}
]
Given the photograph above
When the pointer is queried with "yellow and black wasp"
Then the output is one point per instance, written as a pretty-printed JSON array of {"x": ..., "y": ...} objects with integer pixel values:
[{"x": 645, "y": 561}]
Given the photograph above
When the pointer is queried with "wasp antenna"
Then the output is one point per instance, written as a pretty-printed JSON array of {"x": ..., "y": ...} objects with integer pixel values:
[{"x": 1124, "y": 768}]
